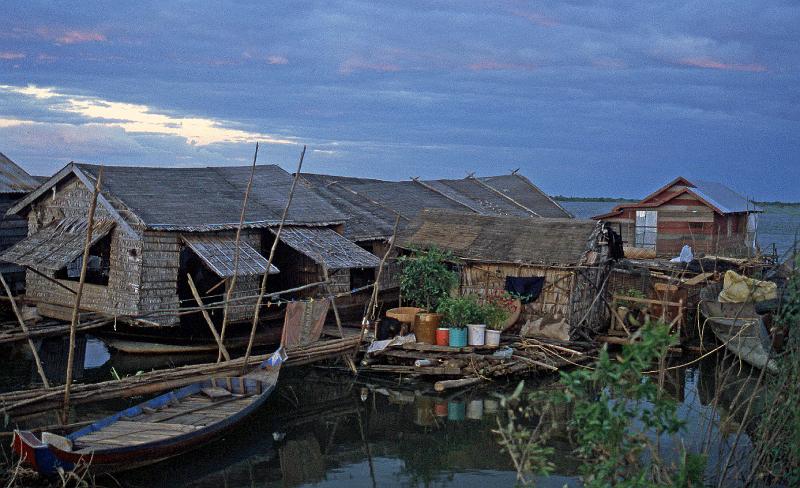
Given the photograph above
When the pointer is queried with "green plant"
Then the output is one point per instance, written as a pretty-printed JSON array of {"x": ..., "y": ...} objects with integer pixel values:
[
  {"x": 619, "y": 414},
  {"x": 495, "y": 314},
  {"x": 461, "y": 310},
  {"x": 777, "y": 436},
  {"x": 425, "y": 278}
]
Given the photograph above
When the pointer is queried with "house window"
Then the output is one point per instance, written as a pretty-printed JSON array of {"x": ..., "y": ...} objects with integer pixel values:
[
  {"x": 97, "y": 266},
  {"x": 646, "y": 228}
]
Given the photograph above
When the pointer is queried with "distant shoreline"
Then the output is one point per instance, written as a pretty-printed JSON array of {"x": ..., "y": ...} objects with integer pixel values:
[{"x": 562, "y": 198}]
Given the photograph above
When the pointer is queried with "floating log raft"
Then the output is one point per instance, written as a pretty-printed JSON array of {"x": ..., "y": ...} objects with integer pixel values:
[
  {"x": 27, "y": 402},
  {"x": 467, "y": 366}
]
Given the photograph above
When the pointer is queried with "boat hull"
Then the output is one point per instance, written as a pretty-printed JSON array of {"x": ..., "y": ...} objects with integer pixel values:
[{"x": 739, "y": 327}]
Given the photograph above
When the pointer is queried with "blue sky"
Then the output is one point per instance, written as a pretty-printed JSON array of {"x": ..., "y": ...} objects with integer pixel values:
[{"x": 587, "y": 98}]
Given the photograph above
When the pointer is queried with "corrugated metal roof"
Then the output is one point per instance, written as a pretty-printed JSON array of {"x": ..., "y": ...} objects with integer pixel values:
[
  {"x": 501, "y": 239},
  {"x": 325, "y": 246},
  {"x": 219, "y": 254},
  {"x": 722, "y": 197},
  {"x": 14, "y": 179},
  {"x": 55, "y": 246}
]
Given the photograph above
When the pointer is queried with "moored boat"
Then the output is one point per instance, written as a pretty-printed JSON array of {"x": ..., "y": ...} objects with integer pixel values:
[
  {"x": 739, "y": 327},
  {"x": 165, "y": 426}
]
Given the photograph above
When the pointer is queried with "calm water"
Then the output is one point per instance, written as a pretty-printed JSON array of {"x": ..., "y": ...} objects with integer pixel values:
[
  {"x": 777, "y": 225},
  {"x": 323, "y": 429}
]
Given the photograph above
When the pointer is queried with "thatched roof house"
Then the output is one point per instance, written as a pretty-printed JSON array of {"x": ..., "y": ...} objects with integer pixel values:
[
  {"x": 372, "y": 205},
  {"x": 15, "y": 182},
  {"x": 568, "y": 256},
  {"x": 155, "y": 225}
]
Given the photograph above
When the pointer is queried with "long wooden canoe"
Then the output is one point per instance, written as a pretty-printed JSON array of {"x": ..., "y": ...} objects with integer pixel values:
[
  {"x": 739, "y": 327},
  {"x": 166, "y": 426}
]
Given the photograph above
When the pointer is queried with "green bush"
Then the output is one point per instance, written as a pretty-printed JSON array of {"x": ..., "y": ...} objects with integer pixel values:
[
  {"x": 426, "y": 278},
  {"x": 460, "y": 311}
]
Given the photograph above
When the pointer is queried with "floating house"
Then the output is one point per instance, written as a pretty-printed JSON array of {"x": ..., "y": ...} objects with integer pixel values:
[
  {"x": 155, "y": 226},
  {"x": 568, "y": 257},
  {"x": 14, "y": 184},
  {"x": 708, "y": 216}
]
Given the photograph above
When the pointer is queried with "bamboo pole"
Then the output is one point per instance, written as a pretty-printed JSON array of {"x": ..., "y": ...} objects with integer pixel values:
[
  {"x": 263, "y": 289},
  {"x": 79, "y": 293},
  {"x": 25, "y": 329},
  {"x": 232, "y": 284},
  {"x": 373, "y": 299},
  {"x": 200, "y": 304}
]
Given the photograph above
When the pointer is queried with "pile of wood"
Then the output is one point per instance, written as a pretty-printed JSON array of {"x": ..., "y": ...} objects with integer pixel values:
[
  {"x": 27, "y": 402},
  {"x": 465, "y": 366}
]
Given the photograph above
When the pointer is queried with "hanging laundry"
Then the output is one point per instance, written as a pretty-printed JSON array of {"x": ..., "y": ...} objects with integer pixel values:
[
  {"x": 528, "y": 288},
  {"x": 303, "y": 321}
]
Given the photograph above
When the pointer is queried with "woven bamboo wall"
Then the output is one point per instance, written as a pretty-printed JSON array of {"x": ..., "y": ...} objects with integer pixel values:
[
  {"x": 122, "y": 293},
  {"x": 555, "y": 297}
]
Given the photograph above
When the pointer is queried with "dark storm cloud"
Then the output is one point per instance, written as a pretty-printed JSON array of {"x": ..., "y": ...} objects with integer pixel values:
[{"x": 587, "y": 98}]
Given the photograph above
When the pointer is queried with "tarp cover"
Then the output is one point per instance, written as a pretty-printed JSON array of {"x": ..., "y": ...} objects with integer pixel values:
[
  {"x": 739, "y": 289},
  {"x": 219, "y": 254},
  {"x": 303, "y": 322},
  {"x": 56, "y": 245},
  {"x": 324, "y": 246}
]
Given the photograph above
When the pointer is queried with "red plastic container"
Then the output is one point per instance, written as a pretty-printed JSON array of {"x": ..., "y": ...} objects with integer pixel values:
[{"x": 442, "y": 336}]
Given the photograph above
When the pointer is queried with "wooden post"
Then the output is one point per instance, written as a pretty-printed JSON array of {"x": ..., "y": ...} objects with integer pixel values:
[
  {"x": 210, "y": 323},
  {"x": 232, "y": 284},
  {"x": 263, "y": 290},
  {"x": 25, "y": 330},
  {"x": 327, "y": 287},
  {"x": 79, "y": 294}
]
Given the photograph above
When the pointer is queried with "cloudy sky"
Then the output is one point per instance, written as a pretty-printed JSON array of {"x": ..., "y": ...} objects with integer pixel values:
[{"x": 587, "y": 98}]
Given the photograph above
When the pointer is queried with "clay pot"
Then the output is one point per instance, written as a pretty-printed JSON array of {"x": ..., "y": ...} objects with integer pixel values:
[{"x": 425, "y": 327}]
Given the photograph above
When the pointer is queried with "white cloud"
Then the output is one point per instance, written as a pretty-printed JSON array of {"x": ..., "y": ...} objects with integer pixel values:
[{"x": 142, "y": 119}]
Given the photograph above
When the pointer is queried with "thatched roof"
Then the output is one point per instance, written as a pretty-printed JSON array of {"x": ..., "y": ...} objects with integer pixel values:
[
  {"x": 55, "y": 246},
  {"x": 324, "y": 246},
  {"x": 197, "y": 199},
  {"x": 500, "y": 239},
  {"x": 14, "y": 179},
  {"x": 372, "y": 205},
  {"x": 219, "y": 254}
]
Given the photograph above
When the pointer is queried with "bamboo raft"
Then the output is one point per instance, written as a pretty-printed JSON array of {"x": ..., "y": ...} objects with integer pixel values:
[
  {"x": 11, "y": 332},
  {"x": 452, "y": 368},
  {"x": 19, "y": 404}
]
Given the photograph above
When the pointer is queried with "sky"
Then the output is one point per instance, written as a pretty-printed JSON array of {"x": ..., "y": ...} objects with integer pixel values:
[{"x": 586, "y": 98}]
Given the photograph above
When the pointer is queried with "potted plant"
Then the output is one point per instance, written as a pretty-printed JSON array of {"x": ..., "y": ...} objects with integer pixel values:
[
  {"x": 496, "y": 317},
  {"x": 424, "y": 281},
  {"x": 458, "y": 312}
]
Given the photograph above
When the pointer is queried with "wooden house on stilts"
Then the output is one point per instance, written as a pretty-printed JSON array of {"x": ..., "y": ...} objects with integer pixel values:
[{"x": 155, "y": 226}]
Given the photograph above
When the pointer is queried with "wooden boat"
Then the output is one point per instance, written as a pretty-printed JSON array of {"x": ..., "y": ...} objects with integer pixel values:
[
  {"x": 739, "y": 327},
  {"x": 166, "y": 426}
]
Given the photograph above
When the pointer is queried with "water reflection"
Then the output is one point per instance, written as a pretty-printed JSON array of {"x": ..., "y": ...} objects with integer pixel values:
[{"x": 320, "y": 429}]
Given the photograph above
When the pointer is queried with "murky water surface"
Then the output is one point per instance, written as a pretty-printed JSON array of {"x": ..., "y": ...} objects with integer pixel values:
[{"x": 322, "y": 428}]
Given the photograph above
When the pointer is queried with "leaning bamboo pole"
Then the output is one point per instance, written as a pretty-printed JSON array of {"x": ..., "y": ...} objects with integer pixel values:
[
  {"x": 75, "y": 310},
  {"x": 232, "y": 284},
  {"x": 207, "y": 318},
  {"x": 373, "y": 299},
  {"x": 263, "y": 290},
  {"x": 25, "y": 330}
]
